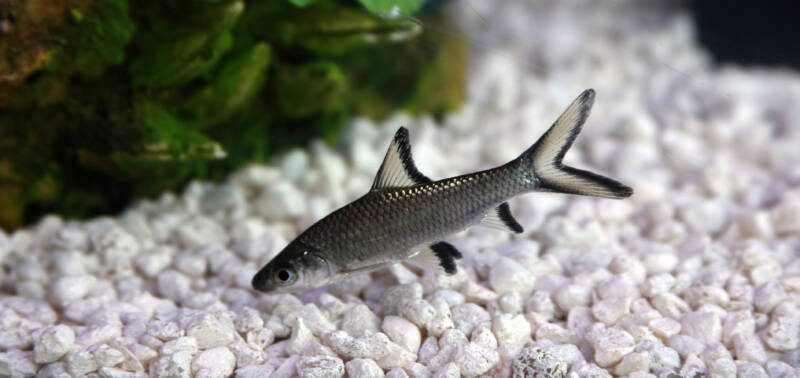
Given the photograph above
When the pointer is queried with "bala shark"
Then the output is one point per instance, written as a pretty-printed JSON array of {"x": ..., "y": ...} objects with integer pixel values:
[{"x": 406, "y": 215}]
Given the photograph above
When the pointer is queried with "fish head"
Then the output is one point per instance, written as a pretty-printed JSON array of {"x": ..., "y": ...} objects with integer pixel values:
[{"x": 297, "y": 267}]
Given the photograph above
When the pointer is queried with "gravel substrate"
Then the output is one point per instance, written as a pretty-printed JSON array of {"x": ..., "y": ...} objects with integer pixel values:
[{"x": 697, "y": 274}]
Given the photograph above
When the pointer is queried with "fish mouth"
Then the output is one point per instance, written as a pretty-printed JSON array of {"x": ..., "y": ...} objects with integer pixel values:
[{"x": 261, "y": 282}]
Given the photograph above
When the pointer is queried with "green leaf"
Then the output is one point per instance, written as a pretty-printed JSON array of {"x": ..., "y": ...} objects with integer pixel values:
[
  {"x": 302, "y": 3},
  {"x": 392, "y": 8}
]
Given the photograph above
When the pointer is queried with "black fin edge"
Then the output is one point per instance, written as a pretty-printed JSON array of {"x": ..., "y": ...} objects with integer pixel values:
[
  {"x": 404, "y": 146},
  {"x": 504, "y": 212},
  {"x": 447, "y": 255}
]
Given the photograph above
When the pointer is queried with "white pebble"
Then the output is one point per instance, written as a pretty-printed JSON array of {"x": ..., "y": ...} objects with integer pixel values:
[
  {"x": 15, "y": 363},
  {"x": 215, "y": 362},
  {"x": 783, "y": 331},
  {"x": 634, "y": 362},
  {"x": 609, "y": 311},
  {"x": 660, "y": 262},
  {"x": 450, "y": 370},
  {"x": 467, "y": 316},
  {"x": 52, "y": 343},
  {"x": 360, "y": 321},
  {"x": 508, "y": 275},
  {"x": 181, "y": 344},
  {"x": 750, "y": 370},
  {"x": 535, "y": 361},
  {"x": 669, "y": 305},
  {"x": 81, "y": 362},
  {"x": 610, "y": 345},
  {"x": 664, "y": 328},
  {"x": 66, "y": 289},
  {"x": 402, "y": 332},
  {"x": 281, "y": 200},
  {"x": 703, "y": 326},
  {"x": 363, "y": 368},
  {"x": 106, "y": 356},
  {"x": 173, "y": 285},
  {"x": 211, "y": 331},
  {"x": 474, "y": 360},
  {"x": 749, "y": 348},
  {"x": 571, "y": 296},
  {"x": 512, "y": 331}
]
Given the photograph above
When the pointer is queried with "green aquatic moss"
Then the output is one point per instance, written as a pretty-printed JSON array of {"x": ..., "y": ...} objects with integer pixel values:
[{"x": 117, "y": 100}]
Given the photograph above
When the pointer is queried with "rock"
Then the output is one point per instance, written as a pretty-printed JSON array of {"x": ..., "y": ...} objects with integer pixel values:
[
  {"x": 685, "y": 345},
  {"x": 722, "y": 367},
  {"x": 703, "y": 326},
  {"x": 474, "y": 360},
  {"x": 467, "y": 316},
  {"x": 320, "y": 367},
  {"x": 106, "y": 356},
  {"x": 660, "y": 262},
  {"x": 610, "y": 345},
  {"x": 508, "y": 275},
  {"x": 360, "y": 321},
  {"x": 402, "y": 332},
  {"x": 172, "y": 365},
  {"x": 396, "y": 297},
  {"x": 428, "y": 350},
  {"x": 750, "y": 370},
  {"x": 363, "y": 368},
  {"x": 52, "y": 343},
  {"x": 634, "y": 362},
  {"x": 450, "y": 370},
  {"x": 484, "y": 337},
  {"x": 571, "y": 296},
  {"x": 693, "y": 367},
  {"x": 609, "y": 311},
  {"x": 66, "y": 289},
  {"x": 669, "y": 305},
  {"x": 783, "y": 331},
  {"x": 536, "y": 362},
  {"x": 396, "y": 356},
  {"x": 396, "y": 373},
  {"x": 80, "y": 362},
  {"x": 181, "y": 344},
  {"x": 16, "y": 363},
  {"x": 211, "y": 331},
  {"x": 281, "y": 200},
  {"x": 748, "y": 347},
  {"x": 657, "y": 284},
  {"x": 173, "y": 285},
  {"x": 768, "y": 295},
  {"x": 555, "y": 333},
  {"x": 664, "y": 328},
  {"x": 780, "y": 369},
  {"x": 215, "y": 362},
  {"x": 112, "y": 372},
  {"x": 697, "y": 296},
  {"x": 512, "y": 331},
  {"x": 418, "y": 311}
]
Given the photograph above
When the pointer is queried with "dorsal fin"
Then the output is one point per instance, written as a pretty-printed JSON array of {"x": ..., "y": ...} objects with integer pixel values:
[
  {"x": 398, "y": 169},
  {"x": 500, "y": 218}
]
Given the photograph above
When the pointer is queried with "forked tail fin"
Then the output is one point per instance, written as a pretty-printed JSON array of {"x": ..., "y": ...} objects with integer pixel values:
[{"x": 545, "y": 157}]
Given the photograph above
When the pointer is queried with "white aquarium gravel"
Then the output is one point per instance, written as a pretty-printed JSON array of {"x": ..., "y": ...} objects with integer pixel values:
[{"x": 697, "y": 274}]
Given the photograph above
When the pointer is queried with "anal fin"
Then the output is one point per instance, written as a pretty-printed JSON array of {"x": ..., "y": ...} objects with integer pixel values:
[
  {"x": 441, "y": 254},
  {"x": 501, "y": 219}
]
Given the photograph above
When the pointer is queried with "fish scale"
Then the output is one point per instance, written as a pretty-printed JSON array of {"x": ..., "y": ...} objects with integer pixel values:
[{"x": 406, "y": 212}]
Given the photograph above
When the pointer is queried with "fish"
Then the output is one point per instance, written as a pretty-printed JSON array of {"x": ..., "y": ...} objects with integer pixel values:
[{"x": 406, "y": 216}]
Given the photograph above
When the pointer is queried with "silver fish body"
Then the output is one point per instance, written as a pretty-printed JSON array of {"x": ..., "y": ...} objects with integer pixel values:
[{"x": 406, "y": 212}]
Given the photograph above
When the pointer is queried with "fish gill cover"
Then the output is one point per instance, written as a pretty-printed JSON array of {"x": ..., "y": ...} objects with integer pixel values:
[{"x": 102, "y": 101}]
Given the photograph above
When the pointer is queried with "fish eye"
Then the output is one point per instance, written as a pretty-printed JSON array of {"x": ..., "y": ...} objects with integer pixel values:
[{"x": 285, "y": 276}]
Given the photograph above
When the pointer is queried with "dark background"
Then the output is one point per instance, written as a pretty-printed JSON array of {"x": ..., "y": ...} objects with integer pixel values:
[{"x": 747, "y": 32}]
